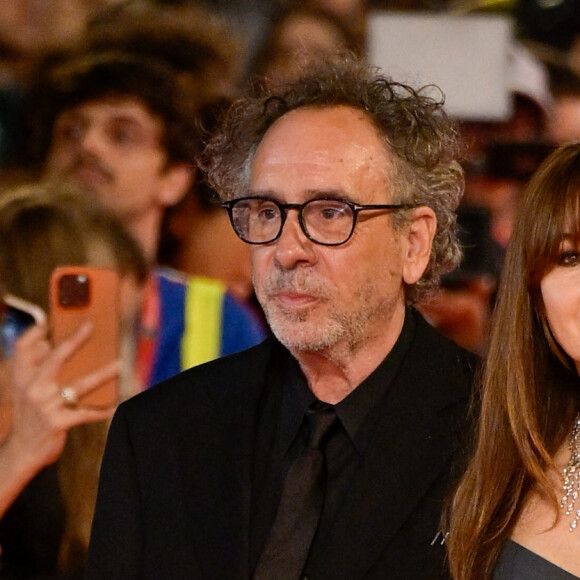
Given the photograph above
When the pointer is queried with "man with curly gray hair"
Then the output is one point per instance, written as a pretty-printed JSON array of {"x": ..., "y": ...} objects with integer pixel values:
[
  {"x": 326, "y": 452},
  {"x": 423, "y": 168}
]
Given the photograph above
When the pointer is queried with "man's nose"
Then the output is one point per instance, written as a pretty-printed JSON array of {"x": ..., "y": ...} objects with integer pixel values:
[
  {"x": 293, "y": 247},
  {"x": 91, "y": 140}
]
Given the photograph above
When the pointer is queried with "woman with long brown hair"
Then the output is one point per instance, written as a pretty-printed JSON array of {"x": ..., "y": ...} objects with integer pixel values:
[{"x": 516, "y": 512}]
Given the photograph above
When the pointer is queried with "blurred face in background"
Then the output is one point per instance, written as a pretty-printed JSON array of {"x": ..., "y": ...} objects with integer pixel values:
[
  {"x": 31, "y": 28},
  {"x": 113, "y": 148},
  {"x": 300, "y": 38},
  {"x": 564, "y": 121}
]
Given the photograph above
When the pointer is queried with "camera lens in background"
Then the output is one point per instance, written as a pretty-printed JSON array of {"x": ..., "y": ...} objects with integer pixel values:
[{"x": 74, "y": 290}]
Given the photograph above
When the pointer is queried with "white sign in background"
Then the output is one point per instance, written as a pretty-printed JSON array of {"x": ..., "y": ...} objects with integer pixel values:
[{"x": 467, "y": 56}]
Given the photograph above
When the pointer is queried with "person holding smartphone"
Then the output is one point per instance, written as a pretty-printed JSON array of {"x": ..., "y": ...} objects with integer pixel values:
[
  {"x": 51, "y": 440},
  {"x": 37, "y": 419},
  {"x": 122, "y": 130}
]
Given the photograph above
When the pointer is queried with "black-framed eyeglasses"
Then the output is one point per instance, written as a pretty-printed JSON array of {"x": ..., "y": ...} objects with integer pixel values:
[{"x": 329, "y": 222}]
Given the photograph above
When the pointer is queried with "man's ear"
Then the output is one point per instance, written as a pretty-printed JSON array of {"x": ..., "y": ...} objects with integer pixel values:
[
  {"x": 419, "y": 235},
  {"x": 177, "y": 180}
]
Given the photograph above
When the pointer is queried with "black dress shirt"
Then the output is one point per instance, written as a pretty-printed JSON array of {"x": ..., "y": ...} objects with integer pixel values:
[{"x": 279, "y": 442}]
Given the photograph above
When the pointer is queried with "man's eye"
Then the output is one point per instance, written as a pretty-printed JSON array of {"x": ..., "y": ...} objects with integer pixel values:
[
  {"x": 332, "y": 212},
  {"x": 69, "y": 131},
  {"x": 123, "y": 135},
  {"x": 267, "y": 214},
  {"x": 329, "y": 213}
]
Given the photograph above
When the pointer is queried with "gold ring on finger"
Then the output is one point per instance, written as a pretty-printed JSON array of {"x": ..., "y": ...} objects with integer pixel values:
[{"x": 70, "y": 396}]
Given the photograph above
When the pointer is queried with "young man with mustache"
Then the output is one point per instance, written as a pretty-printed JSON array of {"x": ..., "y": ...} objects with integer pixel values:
[
  {"x": 326, "y": 452},
  {"x": 123, "y": 129}
]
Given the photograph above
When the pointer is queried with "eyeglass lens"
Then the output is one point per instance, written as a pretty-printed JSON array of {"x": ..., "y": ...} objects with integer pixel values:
[{"x": 325, "y": 221}]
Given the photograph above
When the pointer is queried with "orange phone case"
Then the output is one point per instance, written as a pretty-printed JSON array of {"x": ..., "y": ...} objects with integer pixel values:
[{"x": 96, "y": 301}]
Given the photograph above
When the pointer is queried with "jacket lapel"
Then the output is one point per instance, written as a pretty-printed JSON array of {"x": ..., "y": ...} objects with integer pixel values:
[
  {"x": 385, "y": 493},
  {"x": 216, "y": 466},
  {"x": 413, "y": 444}
]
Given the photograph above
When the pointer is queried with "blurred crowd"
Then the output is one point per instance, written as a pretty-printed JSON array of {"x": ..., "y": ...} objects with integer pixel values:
[
  {"x": 114, "y": 99},
  {"x": 217, "y": 49}
]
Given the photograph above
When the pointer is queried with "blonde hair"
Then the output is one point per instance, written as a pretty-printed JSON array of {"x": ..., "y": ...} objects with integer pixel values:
[
  {"x": 44, "y": 225},
  {"x": 49, "y": 224}
]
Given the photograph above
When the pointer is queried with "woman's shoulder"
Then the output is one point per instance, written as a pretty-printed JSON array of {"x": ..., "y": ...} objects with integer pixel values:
[
  {"x": 516, "y": 562},
  {"x": 542, "y": 532}
]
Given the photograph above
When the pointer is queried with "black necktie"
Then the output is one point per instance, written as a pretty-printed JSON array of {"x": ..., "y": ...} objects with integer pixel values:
[{"x": 293, "y": 530}]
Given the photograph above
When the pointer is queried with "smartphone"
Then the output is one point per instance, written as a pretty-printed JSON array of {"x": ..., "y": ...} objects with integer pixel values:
[
  {"x": 80, "y": 294},
  {"x": 17, "y": 315}
]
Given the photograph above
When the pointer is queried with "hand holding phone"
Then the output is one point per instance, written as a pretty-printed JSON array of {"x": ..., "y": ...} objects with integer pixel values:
[{"x": 80, "y": 295}]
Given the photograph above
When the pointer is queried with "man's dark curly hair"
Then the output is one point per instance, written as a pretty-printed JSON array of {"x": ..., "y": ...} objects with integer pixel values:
[
  {"x": 421, "y": 139},
  {"x": 92, "y": 77}
]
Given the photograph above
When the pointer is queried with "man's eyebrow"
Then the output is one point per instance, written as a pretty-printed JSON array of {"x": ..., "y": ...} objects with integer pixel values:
[
  {"x": 115, "y": 117},
  {"x": 265, "y": 193},
  {"x": 311, "y": 194},
  {"x": 129, "y": 119},
  {"x": 328, "y": 194},
  {"x": 70, "y": 114}
]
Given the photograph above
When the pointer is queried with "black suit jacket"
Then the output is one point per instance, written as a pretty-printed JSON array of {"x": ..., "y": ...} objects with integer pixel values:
[{"x": 175, "y": 490}]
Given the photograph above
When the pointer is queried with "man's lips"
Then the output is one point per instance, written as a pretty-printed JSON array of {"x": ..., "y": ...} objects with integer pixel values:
[
  {"x": 293, "y": 299},
  {"x": 90, "y": 175}
]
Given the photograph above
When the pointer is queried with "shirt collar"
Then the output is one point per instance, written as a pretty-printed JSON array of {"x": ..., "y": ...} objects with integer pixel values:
[
  {"x": 354, "y": 409},
  {"x": 296, "y": 398}
]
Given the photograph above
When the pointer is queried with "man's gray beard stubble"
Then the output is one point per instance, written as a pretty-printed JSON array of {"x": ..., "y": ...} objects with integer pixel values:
[{"x": 303, "y": 336}]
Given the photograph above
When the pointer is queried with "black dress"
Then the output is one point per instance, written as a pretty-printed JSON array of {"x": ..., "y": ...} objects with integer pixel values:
[{"x": 518, "y": 563}]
